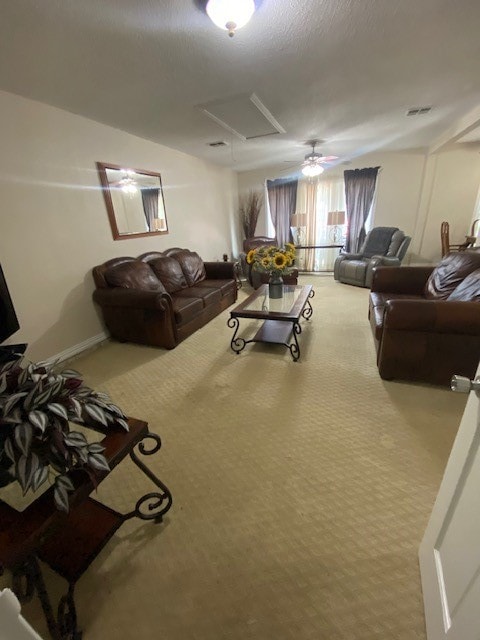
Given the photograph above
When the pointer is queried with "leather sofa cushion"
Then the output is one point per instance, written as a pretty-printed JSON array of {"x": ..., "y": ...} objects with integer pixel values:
[
  {"x": 192, "y": 266},
  {"x": 451, "y": 271},
  {"x": 379, "y": 298},
  {"x": 169, "y": 272},
  {"x": 185, "y": 309},
  {"x": 225, "y": 286},
  {"x": 133, "y": 275},
  {"x": 207, "y": 295},
  {"x": 469, "y": 289}
]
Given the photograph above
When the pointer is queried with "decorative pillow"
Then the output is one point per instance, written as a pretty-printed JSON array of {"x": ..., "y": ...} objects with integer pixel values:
[
  {"x": 192, "y": 267},
  {"x": 133, "y": 275},
  {"x": 451, "y": 271},
  {"x": 469, "y": 289},
  {"x": 169, "y": 272}
]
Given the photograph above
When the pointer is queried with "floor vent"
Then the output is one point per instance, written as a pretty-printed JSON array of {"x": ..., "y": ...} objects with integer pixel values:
[{"x": 219, "y": 143}]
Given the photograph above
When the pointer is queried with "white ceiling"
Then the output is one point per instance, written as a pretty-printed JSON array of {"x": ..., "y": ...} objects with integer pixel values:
[{"x": 342, "y": 71}]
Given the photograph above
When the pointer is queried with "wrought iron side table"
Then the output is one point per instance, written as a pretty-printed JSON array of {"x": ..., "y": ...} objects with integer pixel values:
[{"x": 69, "y": 543}]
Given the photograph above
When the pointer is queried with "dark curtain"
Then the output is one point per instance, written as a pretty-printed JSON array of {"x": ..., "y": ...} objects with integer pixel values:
[
  {"x": 359, "y": 192},
  {"x": 150, "y": 206},
  {"x": 282, "y": 200}
]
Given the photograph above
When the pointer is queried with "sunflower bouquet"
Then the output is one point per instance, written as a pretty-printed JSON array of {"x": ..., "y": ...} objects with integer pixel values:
[{"x": 277, "y": 261}]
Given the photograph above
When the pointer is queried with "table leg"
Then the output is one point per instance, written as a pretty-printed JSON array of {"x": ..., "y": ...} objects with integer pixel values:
[
  {"x": 294, "y": 347},
  {"x": 236, "y": 344},
  {"x": 27, "y": 580},
  {"x": 156, "y": 503}
]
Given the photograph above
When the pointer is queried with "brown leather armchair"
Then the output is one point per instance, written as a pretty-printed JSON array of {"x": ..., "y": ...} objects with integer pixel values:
[{"x": 426, "y": 320}]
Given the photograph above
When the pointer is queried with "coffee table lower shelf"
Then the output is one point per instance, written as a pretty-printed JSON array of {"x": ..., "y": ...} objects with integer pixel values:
[
  {"x": 270, "y": 332},
  {"x": 274, "y": 332}
]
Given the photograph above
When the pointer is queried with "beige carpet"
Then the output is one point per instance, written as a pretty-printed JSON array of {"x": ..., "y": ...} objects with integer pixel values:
[{"x": 301, "y": 491}]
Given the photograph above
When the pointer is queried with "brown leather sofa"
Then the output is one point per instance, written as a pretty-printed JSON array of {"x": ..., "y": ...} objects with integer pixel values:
[
  {"x": 160, "y": 298},
  {"x": 426, "y": 320}
]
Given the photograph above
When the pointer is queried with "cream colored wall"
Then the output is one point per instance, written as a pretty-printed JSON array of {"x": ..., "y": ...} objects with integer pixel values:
[
  {"x": 415, "y": 192},
  {"x": 54, "y": 225},
  {"x": 451, "y": 187}
]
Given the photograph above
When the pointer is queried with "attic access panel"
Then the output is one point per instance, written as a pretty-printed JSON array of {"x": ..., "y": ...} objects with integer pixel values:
[{"x": 245, "y": 116}]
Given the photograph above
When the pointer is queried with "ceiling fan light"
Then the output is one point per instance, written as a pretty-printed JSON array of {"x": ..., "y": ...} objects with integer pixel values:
[
  {"x": 230, "y": 14},
  {"x": 312, "y": 169},
  {"x": 128, "y": 185}
]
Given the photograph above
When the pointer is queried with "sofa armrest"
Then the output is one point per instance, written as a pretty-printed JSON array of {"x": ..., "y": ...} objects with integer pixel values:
[
  {"x": 379, "y": 261},
  {"x": 220, "y": 270},
  {"x": 132, "y": 299},
  {"x": 438, "y": 316},
  {"x": 384, "y": 261},
  {"x": 409, "y": 280},
  {"x": 351, "y": 256}
]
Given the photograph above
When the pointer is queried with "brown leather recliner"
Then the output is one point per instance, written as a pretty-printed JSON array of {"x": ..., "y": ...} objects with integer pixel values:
[{"x": 426, "y": 320}]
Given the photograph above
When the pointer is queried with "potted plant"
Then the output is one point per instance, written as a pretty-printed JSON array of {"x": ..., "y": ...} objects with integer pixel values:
[
  {"x": 276, "y": 261},
  {"x": 37, "y": 405},
  {"x": 249, "y": 210}
]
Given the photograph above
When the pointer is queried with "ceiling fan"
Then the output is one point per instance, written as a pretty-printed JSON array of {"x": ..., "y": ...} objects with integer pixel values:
[{"x": 312, "y": 165}]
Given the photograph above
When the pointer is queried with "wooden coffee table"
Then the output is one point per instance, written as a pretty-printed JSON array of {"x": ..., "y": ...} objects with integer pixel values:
[{"x": 281, "y": 317}]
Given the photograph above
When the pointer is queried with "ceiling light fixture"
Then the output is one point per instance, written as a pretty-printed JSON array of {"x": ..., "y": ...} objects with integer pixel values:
[
  {"x": 230, "y": 14},
  {"x": 312, "y": 169},
  {"x": 128, "y": 185},
  {"x": 312, "y": 165}
]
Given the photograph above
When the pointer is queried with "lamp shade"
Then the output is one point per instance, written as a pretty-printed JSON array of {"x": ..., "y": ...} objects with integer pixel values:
[
  {"x": 335, "y": 218},
  {"x": 230, "y": 14},
  {"x": 312, "y": 169},
  {"x": 298, "y": 220}
]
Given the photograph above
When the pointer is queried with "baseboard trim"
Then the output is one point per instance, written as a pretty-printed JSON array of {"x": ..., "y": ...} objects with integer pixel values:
[{"x": 79, "y": 348}]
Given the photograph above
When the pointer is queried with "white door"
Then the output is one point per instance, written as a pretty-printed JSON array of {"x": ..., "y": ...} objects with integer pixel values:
[{"x": 450, "y": 550}]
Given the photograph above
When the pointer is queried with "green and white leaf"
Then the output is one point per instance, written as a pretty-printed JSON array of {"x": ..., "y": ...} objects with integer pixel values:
[
  {"x": 64, "y": 481},
  {"x": 39, "y": 419},
  {"x": 60, "y": 495},
  {"x": 12, "y": 401},
  {"x": 76, "y": 406},
  {"x": 75, "y": 439},
  {"x": 26, "y": 468},
  {"x": 43, "y": 397},
  {"x": 58, "y": 409},
  {"x": 24, "y": 376},
  {"x": 23, "y": 437},
  {"x": 82, "y": 454},
  {"x": 39, "y": 477},
  {"x": 3, "y": 382},
  {"x": 96, "y": 413},
  {"x": 96, "y": 447},
  {"x": 123, "y": 424},
  {"x": 8, "y": 448},
  {"x": 98, "y": 461},
  {"x": 70, "y": 373}
]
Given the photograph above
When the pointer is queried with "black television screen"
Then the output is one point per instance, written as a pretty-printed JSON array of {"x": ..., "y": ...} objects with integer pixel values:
[{"x": 8, "y": 317}]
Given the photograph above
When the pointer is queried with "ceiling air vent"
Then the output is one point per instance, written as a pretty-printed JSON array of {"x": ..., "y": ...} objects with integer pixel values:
[
  {"x": 418, "y": 111},
  {"x": 219, "y": 143}
]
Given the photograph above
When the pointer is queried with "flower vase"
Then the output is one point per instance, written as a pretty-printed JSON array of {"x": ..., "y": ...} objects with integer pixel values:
[{"x": 275, "y": 286}]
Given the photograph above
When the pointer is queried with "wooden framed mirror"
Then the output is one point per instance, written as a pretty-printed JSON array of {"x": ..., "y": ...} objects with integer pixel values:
[{"x": 134, "y": 201}]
